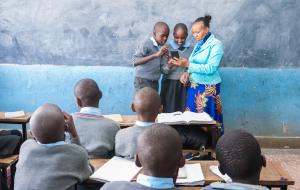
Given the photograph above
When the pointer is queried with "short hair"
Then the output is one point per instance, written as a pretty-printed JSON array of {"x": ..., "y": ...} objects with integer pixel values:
[
  {"x": 180, "y": 26},
  {"x": 147, "y": 101},
  {"x": 88, "y": 92},
  {"x": 206, "y": 20},
  {"x": 160, "y": 25},
  {"x": 239, "y": 154}
]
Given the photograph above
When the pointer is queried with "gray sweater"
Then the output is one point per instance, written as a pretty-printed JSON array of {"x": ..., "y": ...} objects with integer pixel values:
[
  {"x": 175, "y": 72},
  {"x": 151, "y": 69},
  {"x": 47, "y": 168},
  {"x": 126, "y": 141},
  {"x": 96, "y": 134},
  {"x": 123, "y": 185}
]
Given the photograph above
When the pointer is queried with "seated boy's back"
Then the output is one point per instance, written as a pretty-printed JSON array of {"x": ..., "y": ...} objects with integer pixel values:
[
  {"x": 147, "y": 105},
  {"x": 96, "y": 133},
  {"x": 47, "y": 162}
]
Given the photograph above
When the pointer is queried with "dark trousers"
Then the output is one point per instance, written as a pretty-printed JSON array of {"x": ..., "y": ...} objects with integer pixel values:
[{"x": 140, "y": 83}]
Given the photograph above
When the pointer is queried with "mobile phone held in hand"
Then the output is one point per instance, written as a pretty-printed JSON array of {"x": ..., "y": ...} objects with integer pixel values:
[{"x": 175, "y": 54}]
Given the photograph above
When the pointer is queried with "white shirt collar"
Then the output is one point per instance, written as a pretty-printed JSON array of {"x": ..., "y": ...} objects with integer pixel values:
[
  {"x": 143, "y": 124},
  {"x": 52, "y": 144},
  {"x": 154, "y": 42},
  {"x": 91, "y": 110},
  {"x": 155, "y": 182}
]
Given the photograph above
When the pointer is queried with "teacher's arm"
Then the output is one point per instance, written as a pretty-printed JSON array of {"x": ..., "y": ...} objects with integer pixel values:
[{"x": 212, "y": 65}]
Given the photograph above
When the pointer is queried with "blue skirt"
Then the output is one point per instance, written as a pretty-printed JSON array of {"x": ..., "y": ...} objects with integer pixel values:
[{"x": 206, "y": 98}]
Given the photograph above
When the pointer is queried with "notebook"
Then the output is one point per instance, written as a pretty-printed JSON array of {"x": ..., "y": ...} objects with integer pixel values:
[
  {"x": 194, "y": 175},
  {"x": 186, "y": 117},
  {"x": 116, "y": 169},
  {"x": 115, "y": 117},
  {"x": 14, "y": 114},
  {"x": 216, "y": 171}
]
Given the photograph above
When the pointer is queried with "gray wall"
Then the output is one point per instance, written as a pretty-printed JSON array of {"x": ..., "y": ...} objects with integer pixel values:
[{"x": 256, "y": 33}]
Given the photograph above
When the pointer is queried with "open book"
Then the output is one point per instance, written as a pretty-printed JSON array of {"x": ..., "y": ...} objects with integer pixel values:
[
  {"x": 14, "y": 114},
  {"x": 186, "y": 117},
  {"x": 116, "y": 169},
  {"x": 194, "y": 175}
]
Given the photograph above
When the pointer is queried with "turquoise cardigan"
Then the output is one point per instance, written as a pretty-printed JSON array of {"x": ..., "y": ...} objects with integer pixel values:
[{"x": 204, "y": 64}]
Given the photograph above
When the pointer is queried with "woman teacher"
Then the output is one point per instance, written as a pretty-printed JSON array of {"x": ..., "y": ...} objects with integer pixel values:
[{"x": 202, "y": 74}]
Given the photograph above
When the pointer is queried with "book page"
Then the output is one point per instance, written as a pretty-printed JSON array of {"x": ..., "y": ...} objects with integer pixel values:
[
  {"x": 182, "y": 173},
  {"x": 116, "y": 169},
  {"x": 171, "y": 118},
  {"x": 194, "y": 175},
  {"x": 191, "y": 117},
  {"x": 216, "y": 171},
  {"x": 115, "y": 117},
  {"x": 14, "y": 114}
]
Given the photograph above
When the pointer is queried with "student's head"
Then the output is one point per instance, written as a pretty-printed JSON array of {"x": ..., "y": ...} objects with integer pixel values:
[
  {"x": 180, "y": 33},
  {"x": 147, "y": 104},
  {"x": 161, "y": 32},
  {"x": 240, "y": 157},
  {"x": 159, "y": 151},
  {"x": 200, "y": 27},
  {"x": 87, "y": 93},
  {"x": 47, "y": 124}
]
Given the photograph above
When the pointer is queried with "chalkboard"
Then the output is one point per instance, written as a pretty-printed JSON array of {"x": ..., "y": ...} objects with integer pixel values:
[{"x": 255, "y": 33}]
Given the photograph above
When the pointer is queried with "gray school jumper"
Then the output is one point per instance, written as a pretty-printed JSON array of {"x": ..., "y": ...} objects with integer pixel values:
[
  {"x": 173, "y": 93},
  {"x": 126, "y": 141},
  {"x": 148, "y": 74},
  {"x": 47, "y": 168},
  {"x": 96, "y": 134},
  {"x": 123, "y": 185}
]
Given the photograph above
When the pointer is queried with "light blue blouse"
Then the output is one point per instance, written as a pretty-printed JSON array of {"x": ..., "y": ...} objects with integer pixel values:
[{"x": 204, "y": 64}]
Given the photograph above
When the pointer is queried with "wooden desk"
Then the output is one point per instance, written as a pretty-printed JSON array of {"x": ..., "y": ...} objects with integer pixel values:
[
  {"x": 9, "y": 162},
  {"x": 271, "y": 176},
  {"x": 18, "y": 120},
  {"x": 129, "y": 120}
]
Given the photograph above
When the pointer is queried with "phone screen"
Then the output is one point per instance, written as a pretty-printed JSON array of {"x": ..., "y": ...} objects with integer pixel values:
[{"x": 174, "y": 54}]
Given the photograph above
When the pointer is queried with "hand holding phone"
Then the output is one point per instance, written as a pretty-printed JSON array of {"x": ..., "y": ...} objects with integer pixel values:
[{"x": 174, "y": 54}]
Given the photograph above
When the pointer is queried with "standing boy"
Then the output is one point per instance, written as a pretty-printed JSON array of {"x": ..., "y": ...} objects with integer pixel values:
[{"x": 147, "y": 59}]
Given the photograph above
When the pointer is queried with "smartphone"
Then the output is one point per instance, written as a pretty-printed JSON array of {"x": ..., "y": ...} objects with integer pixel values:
[{"x": 175, "y": 54}]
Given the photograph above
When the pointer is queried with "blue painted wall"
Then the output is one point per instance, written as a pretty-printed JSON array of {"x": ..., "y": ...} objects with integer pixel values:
[{"x": 263, "y": 101}]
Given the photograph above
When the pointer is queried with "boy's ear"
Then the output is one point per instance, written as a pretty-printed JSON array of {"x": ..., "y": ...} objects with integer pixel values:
[
  {"x": 161, "y": 108},
  {"x": 137, "y": 161},
  {"x": 263, "y": 159},
  {"x": 181, "y": 161},
  {"x": 132, "y": 107},
  {"x": 78, "y": 102}
]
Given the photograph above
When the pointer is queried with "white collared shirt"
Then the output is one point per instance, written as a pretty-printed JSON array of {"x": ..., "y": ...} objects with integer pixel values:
[
  {"x": 155, "y": 182},
  {"x": 143, "y": 124},
  {"x": 91, "y": 110}
]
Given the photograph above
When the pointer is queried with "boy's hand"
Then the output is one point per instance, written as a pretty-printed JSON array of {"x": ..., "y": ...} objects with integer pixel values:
[
  {"x": 162, "y": 51},
  {"x": 184, "y": 78},
  {"x": 70, "y": 127}
]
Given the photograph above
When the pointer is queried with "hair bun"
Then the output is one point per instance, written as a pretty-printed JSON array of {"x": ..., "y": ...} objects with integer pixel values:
[{"x": 207, "y": 18}]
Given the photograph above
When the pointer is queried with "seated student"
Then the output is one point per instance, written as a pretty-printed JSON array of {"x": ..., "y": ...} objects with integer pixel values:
[
  {"x": 240, "y": 157},
  {"x": 47, "y": 162},
  {"x": 159, "y": 152},
  {"x": 96, "y": 133},
  {"x": 147, "y": 105}
]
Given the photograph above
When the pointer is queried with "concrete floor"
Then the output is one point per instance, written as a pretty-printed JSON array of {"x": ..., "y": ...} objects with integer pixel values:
[{"x": 290, "y": 160}]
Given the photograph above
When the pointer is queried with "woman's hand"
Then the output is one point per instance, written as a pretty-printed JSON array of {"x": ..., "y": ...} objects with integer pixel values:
[
  {"x": 184, "y": 78},
  {"x": 183, "y": 62}
]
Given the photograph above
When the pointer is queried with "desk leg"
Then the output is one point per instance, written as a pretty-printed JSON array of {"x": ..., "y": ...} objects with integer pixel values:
[
  {"x": 24, "y": 131},
  {"x": 283, "y": 187}
]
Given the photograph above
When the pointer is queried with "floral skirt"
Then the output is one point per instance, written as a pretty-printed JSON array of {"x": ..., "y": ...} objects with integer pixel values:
[{"x": 206, "y": 98}]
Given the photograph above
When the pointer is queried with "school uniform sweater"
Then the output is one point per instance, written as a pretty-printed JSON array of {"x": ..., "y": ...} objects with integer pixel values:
[
  {"x": 126, "y": 141},
  {"x": 57, "y": 167},
  {"x": 96, "y": 134},
  {"x": 123, "y": 185}
]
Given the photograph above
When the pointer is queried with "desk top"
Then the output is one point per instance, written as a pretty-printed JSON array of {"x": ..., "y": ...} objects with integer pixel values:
[
  {"x": 16, "y": 120},
  {"x": 8, "y": 160},
  {"x": 272, "y": 175}
]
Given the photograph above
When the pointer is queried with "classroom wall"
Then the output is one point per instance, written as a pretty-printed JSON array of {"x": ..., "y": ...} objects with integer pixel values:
[{"x": 263, "y": 101}]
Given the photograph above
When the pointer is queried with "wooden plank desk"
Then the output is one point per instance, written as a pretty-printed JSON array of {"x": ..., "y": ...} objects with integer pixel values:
[
  {"x": 271, "y": 176},
  {"x": 18, "y": 120},
  {"x": 129, "y": 120}
]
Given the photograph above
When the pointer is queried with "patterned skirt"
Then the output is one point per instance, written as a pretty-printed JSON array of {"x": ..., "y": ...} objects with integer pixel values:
[{"x": 206, "y": 98}]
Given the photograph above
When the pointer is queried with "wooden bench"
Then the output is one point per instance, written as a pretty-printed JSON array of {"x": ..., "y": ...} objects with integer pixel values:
[{"x": 8, "y": 169}]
